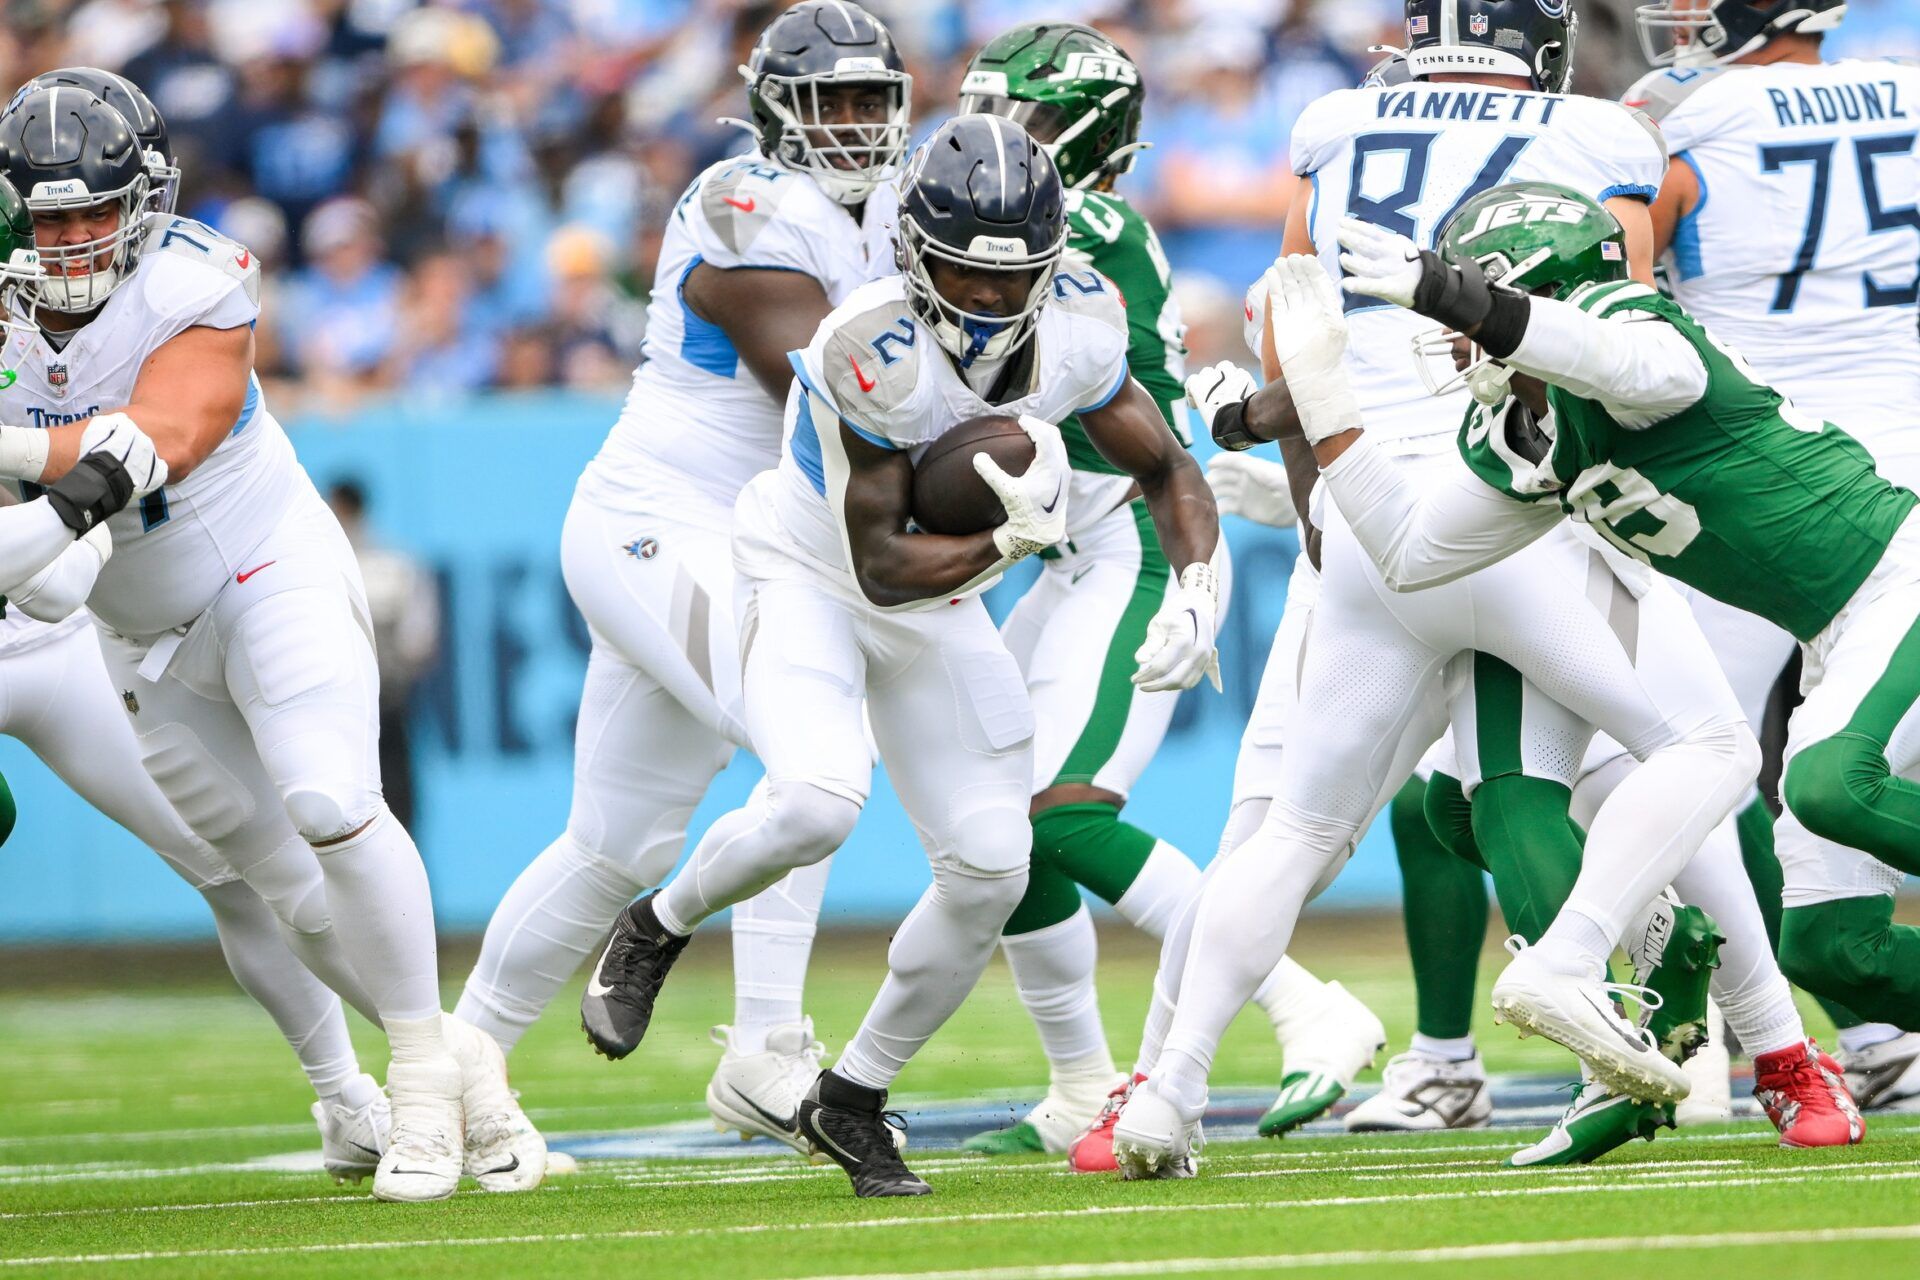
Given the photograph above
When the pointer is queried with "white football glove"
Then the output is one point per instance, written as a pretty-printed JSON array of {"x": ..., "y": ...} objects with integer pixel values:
[
  {"x": 1253, "y": 489},
  {"x": 1035, "y": 500},
  {"x": 1379, "y": 263},
  {"x": 1217, "y": 386},
  {"x": 1179, "y": 646},
  {"x": 116, "y": 435},
  {"x": 1310, "y": 338}
]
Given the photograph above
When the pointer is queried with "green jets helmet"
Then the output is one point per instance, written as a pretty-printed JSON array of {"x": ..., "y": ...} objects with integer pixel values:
[
  {"x": 21, "y": 277},
  {"x": 1075, "y": 91},
  {"x": 1537, "y": 237}
]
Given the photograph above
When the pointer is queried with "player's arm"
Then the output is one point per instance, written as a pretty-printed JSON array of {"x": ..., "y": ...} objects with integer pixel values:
[
  {"x": 188, "y": 397},
  {"x": 35, "y": 535},
  {"x": 1632, "y": 214},
  {"x": 873, "y": 490},
  {"x": 1130, "y": 433},
  {"x": 63, "y": 586},
  {"x": 1679, "y": 196},
  {"x": 765, "y": 313}
]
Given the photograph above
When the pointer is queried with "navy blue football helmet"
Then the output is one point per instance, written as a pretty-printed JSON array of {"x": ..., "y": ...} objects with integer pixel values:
[
  {"x": 983, "y": 194},
  {"x": 148, "y": 125},
  {"x": 1704, "y": 33},
  {"x": 819, "y": 43},
  {"x": 1532, "y": 38}
]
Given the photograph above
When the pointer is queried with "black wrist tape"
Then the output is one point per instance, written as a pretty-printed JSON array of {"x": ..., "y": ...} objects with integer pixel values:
[
  {"x": 1230, "y": 428},
  {"x": 1465, "y": 301},
  {"x": 97, "y": 487}
]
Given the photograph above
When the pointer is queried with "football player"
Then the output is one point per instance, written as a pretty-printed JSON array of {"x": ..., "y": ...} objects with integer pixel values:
[
  {"x": 756, "y": 253},
  {"x": 1486, "y": 108},
  {"x": 1080, "y": 96},
  {"x": 843, "y": 601},
  {"x": 1820, "y": 296},
  {"x": 1666, "y": 443},
  {"x": 60, "y": 703},
  {"x": 232, "y": 614}
]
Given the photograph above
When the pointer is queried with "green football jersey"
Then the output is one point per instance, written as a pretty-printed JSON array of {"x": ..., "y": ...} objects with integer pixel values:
[
  {"x": 1740, "y": 496},
  {"x": 1103, "y": 230}
]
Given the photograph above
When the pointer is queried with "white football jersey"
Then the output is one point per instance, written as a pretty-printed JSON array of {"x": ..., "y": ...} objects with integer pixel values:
[
  {"x": 1406, "y": 158},
  {"x": 874, "y": 366},
  {"x": 1803, "y": 253},
  {"x": 695, "y": 410},
  {"x": 20, "y": 633},
  {"x": 176, "y": 548}
]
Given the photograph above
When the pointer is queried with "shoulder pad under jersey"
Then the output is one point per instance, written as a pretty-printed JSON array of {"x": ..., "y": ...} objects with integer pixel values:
[
  {"x": 201, "y": 245},
  {"x": 1658, "y": 92},
  {"x": 739, "y": 203},
  {"x": 871, "y": 361},
  {"x": 1088, "y": 293}
]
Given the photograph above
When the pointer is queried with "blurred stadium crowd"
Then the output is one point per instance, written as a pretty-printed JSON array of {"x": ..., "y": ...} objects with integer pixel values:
[{"x": 460, "y": 195}]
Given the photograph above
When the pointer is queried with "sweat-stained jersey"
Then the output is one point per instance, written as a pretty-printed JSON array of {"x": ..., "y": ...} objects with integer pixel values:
[
  {"x": 1739, "y": 495},
  {"x": 875, "y": 367},
  {"x": 175, "y": 549},
  {"x": 1406, "y": 158},
  {"x": 1804, "y": 250},
  {"x": 696, "y": 417}
]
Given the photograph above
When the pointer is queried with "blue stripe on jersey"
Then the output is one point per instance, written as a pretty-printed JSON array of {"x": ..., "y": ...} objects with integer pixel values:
[
  {"x": 806, "y": 383},
  {"x": 1640, "y": 190},
  {"x": 1313, "y": 207},
  {"x": 806, "y": 447},
  {"x": 1118, "y": 384},
  {"x": 1687, "y": 254},
  {"x": 251, "y": 407},
  {"x": 704, "y": 344}
]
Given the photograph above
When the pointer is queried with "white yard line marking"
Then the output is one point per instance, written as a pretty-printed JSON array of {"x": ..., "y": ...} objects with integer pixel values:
[{"x": 870, "y": 1224}]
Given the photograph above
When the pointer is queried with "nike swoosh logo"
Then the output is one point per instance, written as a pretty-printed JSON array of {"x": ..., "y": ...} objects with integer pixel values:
[
  {"x": 745, "y": 206},
  {"x": 421, "y": 1173},
  {"x": 814, "y": 1127},
  {"x": 242, "y": 577},
  {"x": 361, "y": 1146},
  {"x": 595, "y": 987},
  {"x": 1608, "y": 1016},
  {"x": 508, "y": 1167},
  {"x": 1058, "y": 487},
  {"x": 1076, "y": 577},
  {"x": 786, "y": 1124},
  {"x": 245, "y": 259},
  {"x": 866, "y": 383}
]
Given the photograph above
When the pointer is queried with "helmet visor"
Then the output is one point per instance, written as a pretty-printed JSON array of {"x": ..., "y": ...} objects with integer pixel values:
[
  {"x": 1044, "y": 121},
  {"x": 972, "y": 335},
  {"x": 1679, "y": 32}
]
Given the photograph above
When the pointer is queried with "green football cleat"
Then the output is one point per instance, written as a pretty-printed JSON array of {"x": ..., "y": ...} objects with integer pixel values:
[
  {"x": 1020, "y": 1140},
  {"x": 1304, "y": 1096},
  {"x": 1594, "y": 1123}
]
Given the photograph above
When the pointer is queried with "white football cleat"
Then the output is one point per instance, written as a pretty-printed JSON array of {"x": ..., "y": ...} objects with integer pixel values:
[
  {"x": 352, "y": 1138},
  {"x": 1321, "y": 1056},
  {"x": 1420, "y": 1094},
  {"x": 1885, "y": 1076},
  {"x": 424, "y": 1152},
  {"x": 1153, "y": 1139},
  {"x": 1579, "y": 1013},
  {"x": 758, "y": 1094},
  {"x": 504, "y": 1152},
  {"x": 1711, "y": 1099}
]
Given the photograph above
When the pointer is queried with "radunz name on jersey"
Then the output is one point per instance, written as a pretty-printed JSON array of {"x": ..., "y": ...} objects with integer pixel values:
[
  {"x": 1477, "y": 104},
  {"x": 1867, "y": 100},
  {"x": 59, "y": 417}
]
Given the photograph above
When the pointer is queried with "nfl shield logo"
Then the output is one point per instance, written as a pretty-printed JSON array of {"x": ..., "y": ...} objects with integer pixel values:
[
  {"x": 1478, "y": 24},
  {"x": 57, "y": 378}
]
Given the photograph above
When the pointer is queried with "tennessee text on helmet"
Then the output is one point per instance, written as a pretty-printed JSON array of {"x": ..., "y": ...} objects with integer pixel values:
[{"x": 1530, "y": 38}]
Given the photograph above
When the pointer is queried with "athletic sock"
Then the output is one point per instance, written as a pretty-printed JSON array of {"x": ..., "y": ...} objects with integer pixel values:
[
  {"x": 1164, "y": 884},
  {"x": 1096, "y": 848},
  {"x": 1753, "y": 828},
  {"x": 306, "y": 1012},
  {"x": 1444, "y": 913},
  {"x": 555, "y": 913},
  {"x": 353, "y": 1092},
  {"x": 1753, "y": 995},
  {"x": 773, "y": 935},
  {"x": 1290, "y": 997},
  {"x": 1452, "y": 1049},
  {"x": 1053, "y": 971},
  {"x": 1867, "y": 1035},
  {"x": 1520, "y": 826},
  {"x": 382, "y": 911}
]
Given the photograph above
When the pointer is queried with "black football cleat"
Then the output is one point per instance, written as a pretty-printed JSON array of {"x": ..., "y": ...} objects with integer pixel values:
[
  {"x": 850, "y": 1125},
  {"x": 618, "y": 1002}
]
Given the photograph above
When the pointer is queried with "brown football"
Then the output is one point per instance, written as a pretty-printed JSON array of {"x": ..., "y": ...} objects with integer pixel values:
[{"x": 948, "y": 494}]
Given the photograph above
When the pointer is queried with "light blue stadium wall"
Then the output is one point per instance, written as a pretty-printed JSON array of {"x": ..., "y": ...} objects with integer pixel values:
[{"x": 479, "y": 491}]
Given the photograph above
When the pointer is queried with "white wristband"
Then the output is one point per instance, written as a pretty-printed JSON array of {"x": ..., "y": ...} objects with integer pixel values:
[{"x": 23, "y": 452}]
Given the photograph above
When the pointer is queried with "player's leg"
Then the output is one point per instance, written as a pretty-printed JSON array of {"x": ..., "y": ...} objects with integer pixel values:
[
  {"x": 954, "y": 725},
  {"x": 60, "y": 703},
  {"x": 649, "y": 739},
  {"x": 805, "y": 675},
  {"x": 1365, "y": 682}
]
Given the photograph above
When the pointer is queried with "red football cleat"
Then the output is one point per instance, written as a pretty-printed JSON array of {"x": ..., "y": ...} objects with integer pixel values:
[
  {"x": 1805, "y": 1094},
  {"x": 1092, "y": 1151}
]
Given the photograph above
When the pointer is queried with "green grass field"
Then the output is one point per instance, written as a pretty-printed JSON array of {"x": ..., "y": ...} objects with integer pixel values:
[{"x": 160, "y": 1130}]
